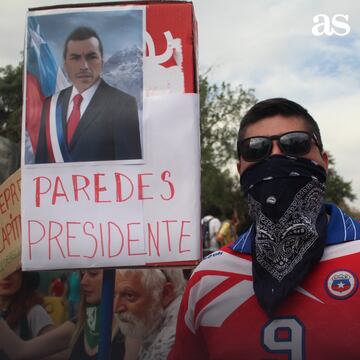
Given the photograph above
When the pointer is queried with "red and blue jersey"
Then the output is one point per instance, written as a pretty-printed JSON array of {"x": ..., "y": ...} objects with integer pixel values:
[{"x": 220, "y": 317}]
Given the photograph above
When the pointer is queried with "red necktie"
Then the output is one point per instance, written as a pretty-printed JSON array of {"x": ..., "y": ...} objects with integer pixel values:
[{"x": 74, "y": 117}]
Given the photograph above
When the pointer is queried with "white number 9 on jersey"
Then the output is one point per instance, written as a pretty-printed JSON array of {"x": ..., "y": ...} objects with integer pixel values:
[{"x": 284, "y": 335}]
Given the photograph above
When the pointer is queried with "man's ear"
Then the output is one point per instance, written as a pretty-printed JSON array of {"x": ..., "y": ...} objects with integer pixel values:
[
  {"x": 238, "y": 166},
  {"x": 168, "y": 294},
  {"x": 325, "y": 158}
]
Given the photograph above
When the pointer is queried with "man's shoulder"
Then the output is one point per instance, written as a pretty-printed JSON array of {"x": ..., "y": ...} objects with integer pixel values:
[
  {"x": 60, "y": 94},
  {"x": 207, "y": 218},
  {"x": 38, "y": 318},
  {"x": 210, "y": 220},
  {"x": 341, "y": 227},
  {"x": 225, "y": 225},
  {"x": 113, "y": 91},
  {"x": 341, "y": 250},
  {"x": 223, "y": 262}
]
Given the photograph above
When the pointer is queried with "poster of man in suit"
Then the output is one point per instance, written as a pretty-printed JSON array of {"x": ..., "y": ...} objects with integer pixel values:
[
  {"x": 86, "y": 65},
  {"x": 84, "y": 87}
]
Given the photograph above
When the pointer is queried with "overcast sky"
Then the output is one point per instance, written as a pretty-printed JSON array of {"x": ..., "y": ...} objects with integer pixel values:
[{"x": 268, "y": 46}]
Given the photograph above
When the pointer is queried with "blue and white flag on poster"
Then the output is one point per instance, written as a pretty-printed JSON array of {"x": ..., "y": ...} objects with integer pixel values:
[{"x": 44, "y": 78}]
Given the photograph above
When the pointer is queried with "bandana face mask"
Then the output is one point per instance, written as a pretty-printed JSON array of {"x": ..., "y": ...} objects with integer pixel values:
[{"x": 285, "y": 198}]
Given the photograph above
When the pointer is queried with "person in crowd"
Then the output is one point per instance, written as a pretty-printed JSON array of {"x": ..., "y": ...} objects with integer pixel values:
[
  {"x": 58, "y": 286},
  {"x": 210, "y": 225},
  {"x": 277, "y": 289},
  {"x": 81, "y": 333},
  {"x": 146, "y": 305},
  {"x": 228, "y": 230},
  {"x": 41, "y": 347},
  {"x": 20, "y": 305},
  {"x": 85, "y": 340},
  {"x": 73, "y": 293}
]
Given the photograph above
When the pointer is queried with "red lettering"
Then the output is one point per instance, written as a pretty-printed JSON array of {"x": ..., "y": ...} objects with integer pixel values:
[
  {"x": 8, "y": 194},
  {"x": 3, "y": 245},
  {"x": 30, "y": 242},
  {"x": 119, "y": 187},
  {"x": 164, "y": 175},
  {"x": 141, "y": 186},
  {"x": 38, "y": 189},
  {"x": 109, "y": 240},
  {"x": 17, "y": 220},
  {"x": 55, "y": 237},
  {"x": 18, "y": 183},
  {"x": 78, "y": 188},
  {"x": 92, "y": 236},
  {"x": 168, "y": 231},
  {"x": 7, "y": 197},
  {"x": 102, "y": 241},
  {"x": 8, "y": 229},
  {"x": 98, "y": 189},
  {"x": 59, "y": 191},
  {"x": 4, "y": 239},
  {"x": 182, "y": 235},
  {"x": 152, "y": 237},
  {"x": 132, "y": 240},
  {"x": 69, "y": 237},
  {"x": 13, "y": 193},
  {"x": 2, "y": 204}
]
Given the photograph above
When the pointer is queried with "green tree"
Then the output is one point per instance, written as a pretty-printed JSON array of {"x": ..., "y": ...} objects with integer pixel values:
[
  {"x": 221, "y": 108},
  {"x": 11, "y": 102},
  {"x": 338, "y": 190}
]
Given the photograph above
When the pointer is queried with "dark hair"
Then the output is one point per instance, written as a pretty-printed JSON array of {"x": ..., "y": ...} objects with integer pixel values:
[
  {"x": 82, "y": 33},
  {"x": 24, "y": 299},
  {"x": 277, "y": 106},
  {"x": 213, "y": 210},
  {"x": 229, "y": 213},
  {"x": 31, "y": 280}
]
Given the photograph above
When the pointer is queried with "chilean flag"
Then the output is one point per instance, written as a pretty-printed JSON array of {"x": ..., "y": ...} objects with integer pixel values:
[
  {"x": 43, "y": 79},
  {"x": 341, "y": 285}
]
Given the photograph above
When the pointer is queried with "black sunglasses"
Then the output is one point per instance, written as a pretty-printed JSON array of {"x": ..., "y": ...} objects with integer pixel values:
[{"x": 293, "y": 143}]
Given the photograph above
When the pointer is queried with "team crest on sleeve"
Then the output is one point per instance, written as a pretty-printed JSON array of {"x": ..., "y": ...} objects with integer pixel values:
[{"x": 341, "y": 284}]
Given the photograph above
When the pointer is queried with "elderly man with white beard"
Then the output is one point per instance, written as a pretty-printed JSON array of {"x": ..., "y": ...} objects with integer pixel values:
[{"x": 146, "y": 304}]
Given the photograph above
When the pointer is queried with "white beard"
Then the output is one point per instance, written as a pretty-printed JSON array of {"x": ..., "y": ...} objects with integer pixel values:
[{"x": 137, "y": 328}]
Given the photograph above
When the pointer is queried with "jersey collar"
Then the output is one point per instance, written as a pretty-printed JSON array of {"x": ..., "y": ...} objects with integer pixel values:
[{"x": 341, "y": 228}]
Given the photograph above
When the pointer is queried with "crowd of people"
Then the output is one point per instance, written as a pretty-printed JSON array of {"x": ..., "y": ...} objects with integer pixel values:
[
  {"x": 218, "y": 230},
  {"x": 271, "y": 290},
  {"x": 145, "y": 311}
]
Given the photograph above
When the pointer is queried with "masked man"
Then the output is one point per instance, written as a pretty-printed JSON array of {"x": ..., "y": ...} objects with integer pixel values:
[{"x": 287, "y": 287}]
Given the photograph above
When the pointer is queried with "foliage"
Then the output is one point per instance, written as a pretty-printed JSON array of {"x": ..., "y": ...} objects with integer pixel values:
[
  {"x": 11, "y": 101},
  {"x": 337, "y": 189},
  {"x": 221, "y": 109}
]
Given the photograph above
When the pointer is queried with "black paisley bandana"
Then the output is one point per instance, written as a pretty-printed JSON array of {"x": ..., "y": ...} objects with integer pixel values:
[{"x": 285, "y": 198}]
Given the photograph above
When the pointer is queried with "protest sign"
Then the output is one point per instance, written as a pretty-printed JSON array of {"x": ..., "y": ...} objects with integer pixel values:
[
  {"x": 10, "y": 225},
  {"x": 124, "y": 190}
]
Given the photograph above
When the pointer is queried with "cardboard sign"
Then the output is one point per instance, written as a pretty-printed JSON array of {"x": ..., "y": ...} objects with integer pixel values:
[
  {"x": 124, "y": 189},
  {"x": 10, "y": 225}
]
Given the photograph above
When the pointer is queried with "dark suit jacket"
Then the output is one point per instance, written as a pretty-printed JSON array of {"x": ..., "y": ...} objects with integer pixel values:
[{"x": 108, "y": 129}]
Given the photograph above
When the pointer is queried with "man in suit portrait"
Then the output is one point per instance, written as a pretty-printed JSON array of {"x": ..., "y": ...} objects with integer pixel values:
[{"x": 90, "y": 120}]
